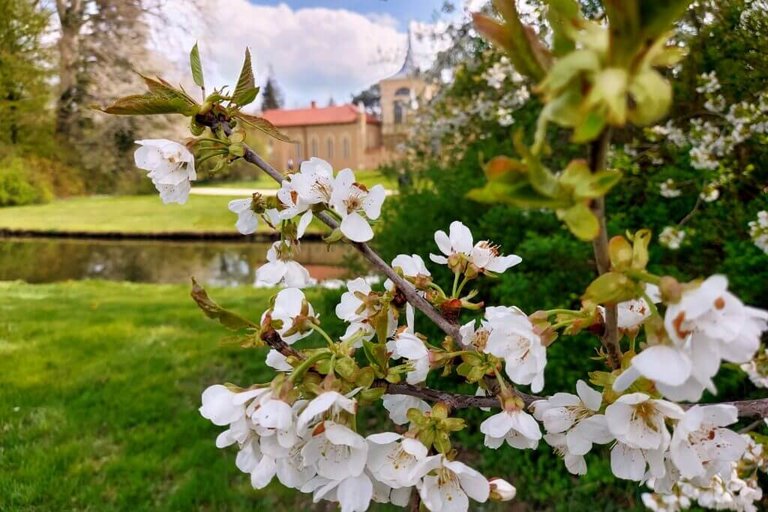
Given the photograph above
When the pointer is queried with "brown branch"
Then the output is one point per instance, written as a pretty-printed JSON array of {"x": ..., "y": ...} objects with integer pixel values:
[
  {"x": 610, "y": 338},
  {"x": 411, "y": 294}
]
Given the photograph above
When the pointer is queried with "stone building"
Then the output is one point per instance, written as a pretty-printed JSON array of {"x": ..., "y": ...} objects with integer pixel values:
[{"x": 346, "y": 135}]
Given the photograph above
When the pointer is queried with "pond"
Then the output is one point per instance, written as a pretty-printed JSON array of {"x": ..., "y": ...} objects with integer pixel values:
[{"x": 215, "y": 263}]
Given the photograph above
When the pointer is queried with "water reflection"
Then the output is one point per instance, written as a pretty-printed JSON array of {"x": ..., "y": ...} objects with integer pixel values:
[{"x": 44, "y": 260}]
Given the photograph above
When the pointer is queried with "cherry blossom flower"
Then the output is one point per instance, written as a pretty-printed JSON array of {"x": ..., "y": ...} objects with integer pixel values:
[
  {"x": 516, "y": 427},
  {"x": 335, "y": 451},
  {"x": 247, "y": 218},
  {"x": 447, "y": 485},
  {"x": 174, "y": 193},
  {"x": 223, "y": 406},
  {"x": 408, "y": 346},
  {"x": 291, "y": 312},
  {"x": 394, "y": 458},
  {"x": 513, "y": 338},
  {"x": 711, "y": 311},
  {"x": 278, "y": 361},
  {"x": 399, "y": 405},
  {"x": 672, "y": 237},
  {"x": 638, "y": 424},
  {"x": 328, "y": 402},
  {"x": 574, "y": 463},
  {"x": 281, "y": 268},
  {"x": 168, "y": 162},
  {"x": 575, "y": 417},
  {"x": 701, "y": 447},
  {"x": 411, "y": 266},
  {"x": 314, "y": 181},
  {"x": 359, "y": 306},
  {"x": 356, "y": 205},
  {"x": 457, "y": 243},
  {"x": 501, "y": 490},
  {"x": 353, "y": 493},
  {"x": 460, "y": 254}
]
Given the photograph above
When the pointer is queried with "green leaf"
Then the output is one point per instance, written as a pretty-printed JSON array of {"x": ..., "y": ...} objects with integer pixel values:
[
  {"x": 611, "y": 288},
  {"x": 263, "y": 125},
  {"x": 652, "y": 95},
  {"x": 246, "y": 90},
  {"x": 658, "y": 16},
  {"x": 529, "y": 55},
  {"x": 162, "y": 98},
  {"x": 541, "y": 178},
  {"x": 197, "y": 67},
  {"x": 581, "y": 221},
  {"x": 214, "y": 311},
  {"x": 589, "y": 128}
]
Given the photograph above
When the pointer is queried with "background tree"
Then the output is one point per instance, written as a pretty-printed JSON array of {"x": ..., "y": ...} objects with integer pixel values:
[
  {"x": 272, "y": 96},
  {"x": 24, "y": 93}
]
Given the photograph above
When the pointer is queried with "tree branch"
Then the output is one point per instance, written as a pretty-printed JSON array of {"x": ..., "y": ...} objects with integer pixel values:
[
  {"x": 610, "y": 338},
  {"x": 411, "y": 294}
]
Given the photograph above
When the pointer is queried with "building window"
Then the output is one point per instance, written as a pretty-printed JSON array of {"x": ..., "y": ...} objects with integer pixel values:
[
  {"x": 403, "y": 91},
  {"x": 299, "y": 152},
  {"x": 329, "y": 148},
  {"x": 345, "y": 147},
  {"x": 315, "y": 148},
  {"x": 399, "y": 113}
]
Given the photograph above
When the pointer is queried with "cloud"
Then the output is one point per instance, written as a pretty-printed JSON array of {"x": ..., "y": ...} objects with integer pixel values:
[{"x": 315, "y": 53}]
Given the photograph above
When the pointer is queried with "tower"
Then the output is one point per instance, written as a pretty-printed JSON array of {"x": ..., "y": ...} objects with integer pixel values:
[{"x": 400, "y": 96}]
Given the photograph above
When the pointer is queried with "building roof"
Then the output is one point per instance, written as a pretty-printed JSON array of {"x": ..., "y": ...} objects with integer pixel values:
[
  {"x": 409, "y": 68},
  {"x": 313, "y": 116}
]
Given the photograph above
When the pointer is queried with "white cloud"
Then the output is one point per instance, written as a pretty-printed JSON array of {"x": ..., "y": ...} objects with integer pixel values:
[{"x": 315, "y": 53}]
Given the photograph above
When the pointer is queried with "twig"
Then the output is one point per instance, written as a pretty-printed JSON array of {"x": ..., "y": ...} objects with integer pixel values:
[
  {"x": 610, "y": 338},
  {"x": 411, "y": 294}
]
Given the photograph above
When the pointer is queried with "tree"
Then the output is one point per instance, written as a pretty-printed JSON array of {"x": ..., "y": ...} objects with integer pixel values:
[
  {"x": 272, "y": 96},
  {"x": 23, "y": 87},
  {"x": 370, "y": 98}
]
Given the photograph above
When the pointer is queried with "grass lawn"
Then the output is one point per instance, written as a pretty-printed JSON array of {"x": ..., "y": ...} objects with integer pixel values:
[
  {"x": 126, "y": 214},
  {"x": 369, "y": 178},
  {"x": 99, "y": 402}
]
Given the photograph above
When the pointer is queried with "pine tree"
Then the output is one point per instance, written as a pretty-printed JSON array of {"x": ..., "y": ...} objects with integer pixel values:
[{"x": 272, "y": 97}]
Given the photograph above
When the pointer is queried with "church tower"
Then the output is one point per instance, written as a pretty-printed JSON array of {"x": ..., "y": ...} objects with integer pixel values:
[{"x": 401, "y": 94}]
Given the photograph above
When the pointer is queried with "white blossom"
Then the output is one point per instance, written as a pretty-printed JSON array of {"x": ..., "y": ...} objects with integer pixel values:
[
  {"x": 758, "y": 231},
  {"x": 290, "y": 310},
  {"x": 407, "y": 345},
  {"x": 280, "y": 268},
  {"x": 171, "y": 167},
  {"x": 330, "y": 403},
  {"x": 222, "y": 406},
  {"x": 513, "y": 338},
  {"x": 447, "y": 485},
  {"x": 672, "y": 237},
  {"x": 576, "y": 418},
  {"x": 356, "y": 205},
  {"x": 701, "y": 447},
  {"x": 393, "y": 459},
  {"x": 359, "y": 306},
  {"x": 399, "y": 405},
  {"x": 501, "y": 490},
  {"x": 247, "y": 219},
  {"x": 669, "y": 190},
  {"x": 518, "y": 428},
  {"x": 335, "y": 451},
  {"x": 458, "y": 252}
]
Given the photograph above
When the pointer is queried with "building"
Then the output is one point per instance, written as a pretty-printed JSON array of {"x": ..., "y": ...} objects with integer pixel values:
[{"x": 346, "y": 135}]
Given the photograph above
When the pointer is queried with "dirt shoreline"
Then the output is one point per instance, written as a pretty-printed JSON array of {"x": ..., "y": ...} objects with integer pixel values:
[{"x": 170, "y": 235}]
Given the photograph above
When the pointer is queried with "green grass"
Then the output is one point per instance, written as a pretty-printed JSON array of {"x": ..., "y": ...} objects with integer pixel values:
[
  {"x": 99, "y": 402},
  {"x": 369, "y": 178},
  {"x": 125, "y": 214}
]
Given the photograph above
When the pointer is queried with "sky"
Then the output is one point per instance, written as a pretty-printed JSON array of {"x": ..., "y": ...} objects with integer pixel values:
[{"x": 315, "y": 49}]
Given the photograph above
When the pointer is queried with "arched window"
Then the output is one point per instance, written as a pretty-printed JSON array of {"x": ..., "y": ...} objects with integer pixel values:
[
  {"x": 399, "y": 113},
  {"x": 346, "y": 147},
  {"x": 299, "y": 152},
  {"x": 314, "y": 147},
  {"x": 329, "y": 147},
  {"x": 403, "y": 91}
]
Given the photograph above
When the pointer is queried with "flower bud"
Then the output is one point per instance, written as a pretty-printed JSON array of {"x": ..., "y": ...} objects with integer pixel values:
[
  {"x": 501, "y": 490},
  {"x": 671, "y": 290}
]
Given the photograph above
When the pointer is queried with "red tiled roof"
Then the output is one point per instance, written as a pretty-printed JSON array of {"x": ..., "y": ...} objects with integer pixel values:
[{"x": 342, "y": 114}]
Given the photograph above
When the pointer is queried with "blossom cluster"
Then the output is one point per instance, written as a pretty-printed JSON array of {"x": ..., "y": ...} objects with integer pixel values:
[
  {"x": 758, "y": 231},
  {"x": 734, "y": 488}
]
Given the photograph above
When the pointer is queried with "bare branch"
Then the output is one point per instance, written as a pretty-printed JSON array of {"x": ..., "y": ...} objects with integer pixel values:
[{"x": 610, "y": 337}]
